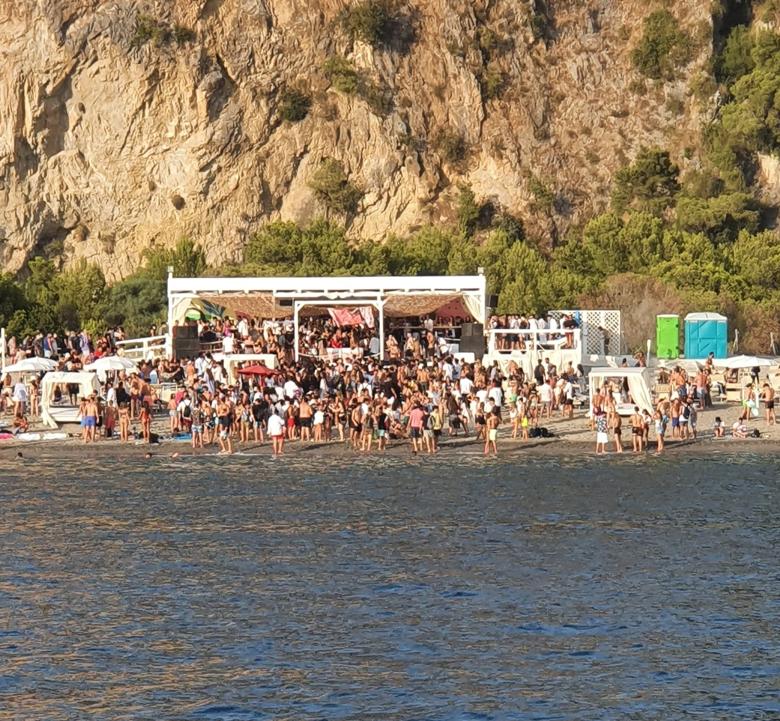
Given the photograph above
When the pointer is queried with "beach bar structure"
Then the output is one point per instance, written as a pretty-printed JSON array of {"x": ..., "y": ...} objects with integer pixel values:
[{"x": 286, "y": 298}]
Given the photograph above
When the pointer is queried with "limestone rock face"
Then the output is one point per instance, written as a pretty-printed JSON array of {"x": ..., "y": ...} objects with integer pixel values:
[{"x": 111, "y": 142}]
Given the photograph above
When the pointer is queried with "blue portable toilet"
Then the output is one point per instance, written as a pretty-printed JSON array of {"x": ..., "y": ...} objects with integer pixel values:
[{"x": 706, "y": 333}]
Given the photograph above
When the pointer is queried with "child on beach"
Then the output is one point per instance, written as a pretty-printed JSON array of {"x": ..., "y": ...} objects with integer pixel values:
[{"x": 719, "y": 428}]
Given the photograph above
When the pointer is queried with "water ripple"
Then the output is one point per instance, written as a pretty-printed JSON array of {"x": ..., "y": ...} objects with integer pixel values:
[{"x": 551, "y": 588}]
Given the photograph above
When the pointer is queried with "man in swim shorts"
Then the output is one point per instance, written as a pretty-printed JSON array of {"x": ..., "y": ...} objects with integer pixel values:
[
  {"x": 491, "y": 426},
  {"x": 224, "y": 422}
]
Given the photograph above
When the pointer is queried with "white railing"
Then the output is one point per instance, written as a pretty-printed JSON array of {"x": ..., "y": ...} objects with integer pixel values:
[
  {"x": 137, "y": 349},
  {"x": 534, "y": 340}
]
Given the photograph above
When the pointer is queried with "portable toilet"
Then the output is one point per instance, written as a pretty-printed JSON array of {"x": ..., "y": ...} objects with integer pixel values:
[
  {"x": 706, "y": 333},
  {"x": 667, "y": 336}
]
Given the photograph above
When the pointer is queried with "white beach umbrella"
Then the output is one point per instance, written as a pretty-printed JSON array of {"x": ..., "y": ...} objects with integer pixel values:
[
  {"x": 112, "y": 363},
  {"x": 744, "y": 361},
  {"x": 31, "y": 365}
]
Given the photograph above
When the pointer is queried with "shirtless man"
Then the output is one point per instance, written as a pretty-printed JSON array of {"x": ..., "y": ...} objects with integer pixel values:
[
  {"x": 768, "y": 395},
  {"x": 355, "y": 426},
  {"x": 91, "y": 418},
  {"x": 224, "y": 417},
  {"x": 491, "y": 426},
  {"x": 305, "y": 413},
  {"x": 83, "y": 414},
  {"x": 702, "y": 381},
  {"x": 637, "y": 423},
  {"x": 617, "y": 430}
]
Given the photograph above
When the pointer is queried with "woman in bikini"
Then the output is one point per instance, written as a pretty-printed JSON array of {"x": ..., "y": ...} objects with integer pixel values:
[{"x": 124, "y": 423}]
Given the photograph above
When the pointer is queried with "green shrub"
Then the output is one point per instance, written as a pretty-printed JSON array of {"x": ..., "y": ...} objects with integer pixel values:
[
  {"x": 150, "y": 29},
  {"x": 663, "y": 48},
  {"x": 492, "y": 83},
  {"x": 346, "y": 78},
  {"x": 294, "y": 105},
  {"x": 342, "y": 74},
  {"x": 451, "y": 145},
  {"x": 544, "y": 197},
  {"x": 492, "y": 43},
  {"x": 468, "y": 210},
  {"x": 369, "y": 21},
  {"x": 736, "y": 59},
  {"x": 182, "y": 35},
  {"x": 649, "y": 184},
  {"x": 541, "y": 20},
  {"x": 331, "y": 186}
]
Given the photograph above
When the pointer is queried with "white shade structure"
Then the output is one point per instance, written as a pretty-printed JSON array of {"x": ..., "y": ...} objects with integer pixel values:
[
  {"x": 31, "y": 365},
  {"x": 285, "y": 298},
  {"x": 744, "y": 361},
  {"x": 112, "y": 363}
]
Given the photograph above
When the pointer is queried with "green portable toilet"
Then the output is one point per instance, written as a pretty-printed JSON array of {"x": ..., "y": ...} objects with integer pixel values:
[{"x": 667, "y": 336}]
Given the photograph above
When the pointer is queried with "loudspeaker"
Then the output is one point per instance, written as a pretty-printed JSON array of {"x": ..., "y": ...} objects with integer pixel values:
[
  {"x": 185, "y": 332},
  {"x": 472, "y": 339},
  {"x": 472, "y": 329},
  {"x": 492, "y": 301},
  {"x": 186, "y": 348}
]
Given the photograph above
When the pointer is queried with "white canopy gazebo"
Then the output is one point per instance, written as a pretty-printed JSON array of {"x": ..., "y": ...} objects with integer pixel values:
[{"x": 284, "y": 298}]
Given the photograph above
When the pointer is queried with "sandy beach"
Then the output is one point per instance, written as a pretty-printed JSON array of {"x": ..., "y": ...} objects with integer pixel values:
[{"x": 571, "y": 437}]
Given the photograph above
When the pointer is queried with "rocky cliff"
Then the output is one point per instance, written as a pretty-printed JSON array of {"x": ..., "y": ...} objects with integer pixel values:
[{"x": 125, "y": 124}]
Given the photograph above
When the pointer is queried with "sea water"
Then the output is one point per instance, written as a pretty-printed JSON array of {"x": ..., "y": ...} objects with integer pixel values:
[{"x": 366, "y": 588}]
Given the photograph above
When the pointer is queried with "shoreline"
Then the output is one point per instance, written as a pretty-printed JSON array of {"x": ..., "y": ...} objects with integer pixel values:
[
  {"x": 461, "y": 447},
  {"x": 572, "y": 437}
]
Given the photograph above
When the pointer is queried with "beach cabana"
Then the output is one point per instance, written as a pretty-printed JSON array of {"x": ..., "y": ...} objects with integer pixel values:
[
  {"x": 55, "y": 415},
  {"x": 637, "y": 379}
]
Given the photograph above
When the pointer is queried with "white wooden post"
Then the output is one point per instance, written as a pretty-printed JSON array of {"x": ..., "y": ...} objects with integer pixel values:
[
  {"x": 2, "y": 348},
  {"x": 296, "y": 310},
  {"x": 381, "y": 307},
  {"x": 169, "y": 330}
]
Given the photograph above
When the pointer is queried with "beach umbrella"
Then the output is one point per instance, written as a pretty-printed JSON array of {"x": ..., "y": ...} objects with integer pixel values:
[
  {"x": 744, "y": 361},
  {"x": 112, "y": 363},
  {"x": 257, "y": 370},
  {"x": 31, "y": 365}
]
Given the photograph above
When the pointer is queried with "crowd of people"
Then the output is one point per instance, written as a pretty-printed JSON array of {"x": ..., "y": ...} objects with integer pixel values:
[
  {"x": 419, "y": 393},
  {"x": 549, "y": 329},
  {"x": 676, "y": 413},
  {"x": 358, "y": 401}
]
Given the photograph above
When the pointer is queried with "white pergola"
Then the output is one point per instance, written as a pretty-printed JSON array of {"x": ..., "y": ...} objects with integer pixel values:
[{"x": 277, "y": 298}]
